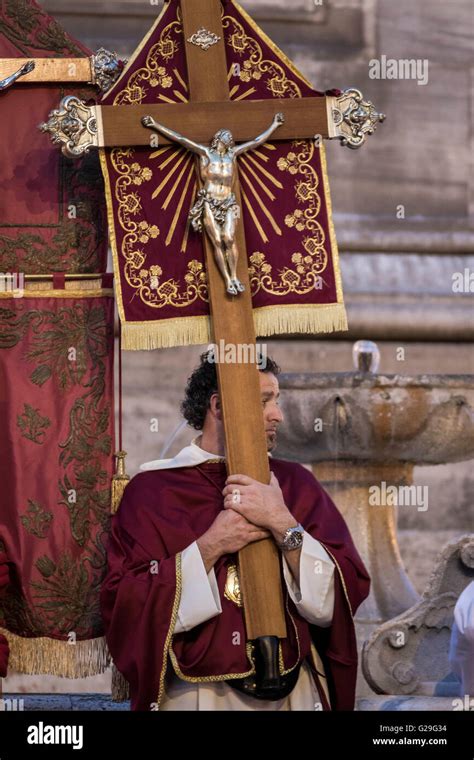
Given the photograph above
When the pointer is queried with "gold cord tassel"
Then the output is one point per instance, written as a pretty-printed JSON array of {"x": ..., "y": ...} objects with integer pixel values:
[
  {"x": 119, "y": 480},
  {"x": 120, "y": 687}
]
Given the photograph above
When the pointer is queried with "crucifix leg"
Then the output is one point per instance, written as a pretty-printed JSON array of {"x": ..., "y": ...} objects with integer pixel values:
[
  {"x": 232, "y": 251},
  {"x": 214, "y": 232}
]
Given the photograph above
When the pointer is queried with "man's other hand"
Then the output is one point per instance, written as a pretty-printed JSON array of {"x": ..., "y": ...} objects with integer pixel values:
[
  {"x": 229, "y": 533},
  {"x": 261, "y": 504}
]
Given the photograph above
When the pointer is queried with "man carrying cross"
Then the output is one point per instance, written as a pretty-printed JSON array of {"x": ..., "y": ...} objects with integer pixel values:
[{"x": 171, "y": 602}]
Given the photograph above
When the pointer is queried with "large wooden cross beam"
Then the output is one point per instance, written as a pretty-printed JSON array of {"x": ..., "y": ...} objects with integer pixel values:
[
  {"x": 101, "y": 69},
  {"x": 79, "y": 127}
]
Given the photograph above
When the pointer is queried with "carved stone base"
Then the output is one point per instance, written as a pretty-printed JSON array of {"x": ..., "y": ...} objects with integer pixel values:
[{"x": 409, "y": 654}]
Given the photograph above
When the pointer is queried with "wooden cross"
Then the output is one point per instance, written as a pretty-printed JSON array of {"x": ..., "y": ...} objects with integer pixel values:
[
  {"x": 100, "y": 69},
  {"x": 209, "y": 109}
]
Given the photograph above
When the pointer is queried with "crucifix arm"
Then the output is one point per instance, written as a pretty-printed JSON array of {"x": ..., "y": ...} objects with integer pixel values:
[
  {"x": 149, "y": 122},
  {"x": 25, "y": 69},
  {"x": 261, "y": 139}
]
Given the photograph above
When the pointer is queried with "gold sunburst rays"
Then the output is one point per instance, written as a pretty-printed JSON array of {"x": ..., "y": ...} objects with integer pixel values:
[
  {"x": 275, "y": 182},
  {"x": 257, "y": 183},
  {"x": 177, "y": 213},
  {"x": 253, "y": 215},
  {"x": 266, "y": 190},
  {"x": 177, "y": 182},
  {"x": 235, "y": 89},
  {"x": 180, "y": 79},
  {"x": 176, "y": 188},
  {"x": 180, "y": 96},
  {"x": 266, "y": 211},
  {"x": 160, "y": 151},
  {"x": 177, "y": 157},
  {"x": 245, "y": 94},
  {"x": 184, "y": 242},
  {"x": 165, "y": 98}
]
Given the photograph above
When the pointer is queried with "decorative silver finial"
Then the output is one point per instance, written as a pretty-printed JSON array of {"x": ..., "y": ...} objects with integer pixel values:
[
  {"x": 353, "y": 118},
  {"x": 106, "y": 68},
  {"x": 366, "y": 356},
  {"x": 74, "y": 126}
]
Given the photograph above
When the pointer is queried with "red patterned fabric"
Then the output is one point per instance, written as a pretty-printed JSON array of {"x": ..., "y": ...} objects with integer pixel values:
[
  {"x": 57, "y": 422},
  {"x": 292, "y": 252},
  {"x": 52, "y": 209}
]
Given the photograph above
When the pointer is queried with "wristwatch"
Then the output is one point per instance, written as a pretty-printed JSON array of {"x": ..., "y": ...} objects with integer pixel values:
[{"x": 293, "y": 538}]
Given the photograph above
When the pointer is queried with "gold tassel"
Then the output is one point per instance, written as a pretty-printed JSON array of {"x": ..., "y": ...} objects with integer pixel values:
[
  {"x": 120, "y": 686},
  {"x": 42, "y": 655},
  {"x": 119, "y": 480}
]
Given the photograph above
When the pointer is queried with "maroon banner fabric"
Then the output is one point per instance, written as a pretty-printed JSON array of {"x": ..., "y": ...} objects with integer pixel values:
[
  {"x": 57, "y": 422},
  {"x": 52, "y": 209},
  {"x": 158, "y": 257}
]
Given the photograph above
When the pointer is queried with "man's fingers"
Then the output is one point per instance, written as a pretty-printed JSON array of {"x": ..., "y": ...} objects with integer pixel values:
[
  {"x": 259, "y": 529},
  {"x": 259, "y": 535},
  {"x": 232, "y": 503},
  {"x": 243, "y": 480}
]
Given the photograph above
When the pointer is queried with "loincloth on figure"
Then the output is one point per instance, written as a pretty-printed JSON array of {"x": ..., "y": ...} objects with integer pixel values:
[{"x": 219, "y": 208}]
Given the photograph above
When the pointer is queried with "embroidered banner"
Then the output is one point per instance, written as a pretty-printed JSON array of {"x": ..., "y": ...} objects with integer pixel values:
[
  {"x": 52, "y": 209},
  {"x": 159, "y": 259},
  {"x": 57, "y": 422}
]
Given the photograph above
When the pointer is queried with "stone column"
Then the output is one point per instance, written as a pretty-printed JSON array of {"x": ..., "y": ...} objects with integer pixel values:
[{"x": 374, "y": 531}]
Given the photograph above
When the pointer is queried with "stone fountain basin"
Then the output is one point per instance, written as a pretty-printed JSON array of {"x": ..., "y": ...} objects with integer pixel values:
[{"x": 424, "y": 419}]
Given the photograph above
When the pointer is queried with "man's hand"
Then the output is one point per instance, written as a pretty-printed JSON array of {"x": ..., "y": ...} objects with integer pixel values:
[
  {"x": 229, "y": 533},
  {"x": 261, "y": 504}
]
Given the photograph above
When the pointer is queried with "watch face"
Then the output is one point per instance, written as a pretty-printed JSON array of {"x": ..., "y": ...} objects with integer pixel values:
[{"x": 294, "y": 539}]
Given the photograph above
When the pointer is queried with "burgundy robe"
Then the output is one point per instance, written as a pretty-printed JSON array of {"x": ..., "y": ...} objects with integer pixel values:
[{"x": 164, "y": 511}]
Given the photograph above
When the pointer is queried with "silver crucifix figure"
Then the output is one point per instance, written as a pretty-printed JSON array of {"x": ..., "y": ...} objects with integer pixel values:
[{"x": 216, "y": 209}]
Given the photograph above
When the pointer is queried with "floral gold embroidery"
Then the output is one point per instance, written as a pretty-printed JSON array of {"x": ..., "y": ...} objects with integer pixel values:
[
  {"x": 32, "y": 425},
  {"x": 255, "y": 65},
  {"x": 37, "y": 519}
]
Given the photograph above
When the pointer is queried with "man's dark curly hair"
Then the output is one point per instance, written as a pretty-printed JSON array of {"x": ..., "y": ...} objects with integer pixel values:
[{"x": 203, "y": 383}]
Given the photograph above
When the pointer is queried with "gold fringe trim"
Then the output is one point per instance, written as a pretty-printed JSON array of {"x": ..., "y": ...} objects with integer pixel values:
[
  {"x": 269, "y": 320},
  {"x": 41, "y": 655},
  {"x": 79, "y": 293},
  {"x": 276, "y": 320},
  {"x": 120, "y": 686},
  {"x": 184, "y": 331}
]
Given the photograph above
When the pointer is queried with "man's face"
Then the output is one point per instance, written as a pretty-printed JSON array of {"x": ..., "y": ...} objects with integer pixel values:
[{"x": 272, "y": 414}]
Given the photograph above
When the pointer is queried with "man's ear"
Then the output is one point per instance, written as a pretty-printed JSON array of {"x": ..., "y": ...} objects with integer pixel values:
[{"x": 215, "y": 405}]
